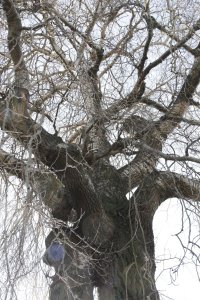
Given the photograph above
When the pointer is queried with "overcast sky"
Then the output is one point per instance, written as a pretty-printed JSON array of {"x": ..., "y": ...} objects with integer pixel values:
[{"x": 178, "y": 283}]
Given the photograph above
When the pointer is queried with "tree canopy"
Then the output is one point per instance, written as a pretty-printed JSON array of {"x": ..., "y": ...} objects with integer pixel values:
[{"x": 99, "y": 117}]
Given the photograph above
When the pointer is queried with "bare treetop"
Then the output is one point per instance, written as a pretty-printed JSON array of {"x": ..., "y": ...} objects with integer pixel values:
[{"x": 97, "y": 98}]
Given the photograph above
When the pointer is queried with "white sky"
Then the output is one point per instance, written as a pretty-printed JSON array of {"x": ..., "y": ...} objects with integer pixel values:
[{"x": 184, "y": 284}]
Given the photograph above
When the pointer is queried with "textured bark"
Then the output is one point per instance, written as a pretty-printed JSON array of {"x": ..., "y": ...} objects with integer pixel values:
[
  {"x": 124, "y": 272},
  {"x": 121, "y": 268}
]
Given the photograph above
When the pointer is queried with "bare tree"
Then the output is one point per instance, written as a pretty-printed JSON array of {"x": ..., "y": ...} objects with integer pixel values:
[{"x": 100, "y": 125}]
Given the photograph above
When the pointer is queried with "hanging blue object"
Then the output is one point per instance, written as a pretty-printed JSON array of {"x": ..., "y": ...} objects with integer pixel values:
[{"x": 55, "y": 252}]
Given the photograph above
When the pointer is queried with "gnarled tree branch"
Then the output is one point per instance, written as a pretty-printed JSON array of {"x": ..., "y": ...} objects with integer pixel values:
[{"x": 145, "y": 161}]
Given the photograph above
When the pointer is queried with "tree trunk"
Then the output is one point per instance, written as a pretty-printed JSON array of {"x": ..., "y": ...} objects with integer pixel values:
[
  {"x": 122, "y": 268},
  {"x": 61, "y": 291},
  {"x": 132, "y": 268},
  {"x": 125, "y": 271}
]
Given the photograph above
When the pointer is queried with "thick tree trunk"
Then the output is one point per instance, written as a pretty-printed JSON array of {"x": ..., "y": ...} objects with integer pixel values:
[
  {"x": 61, "y": 291},
  {"x": 121, "y": 265},
  {"x": 132, "y": 268},
  {"x": 127, "y": 273},
  {"x": 123, "y": 269}
]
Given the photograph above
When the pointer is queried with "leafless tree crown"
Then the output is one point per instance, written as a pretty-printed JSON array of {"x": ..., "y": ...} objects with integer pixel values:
[{"x": 96, "y": 98}]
